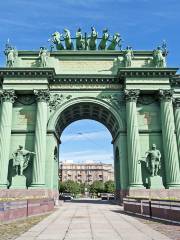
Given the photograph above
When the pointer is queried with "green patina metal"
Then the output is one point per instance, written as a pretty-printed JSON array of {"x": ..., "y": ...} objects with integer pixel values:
[{"x": 131, "y": 92}]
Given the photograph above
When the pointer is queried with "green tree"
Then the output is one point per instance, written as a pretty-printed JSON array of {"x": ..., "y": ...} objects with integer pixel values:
[
  {"x": 109, "y": 186},
  {"x": 70, "y": 186},
  {"x": 97, "y": 187}
]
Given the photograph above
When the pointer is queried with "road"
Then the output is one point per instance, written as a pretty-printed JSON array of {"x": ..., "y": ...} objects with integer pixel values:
[{"x": 90, "y": 220}]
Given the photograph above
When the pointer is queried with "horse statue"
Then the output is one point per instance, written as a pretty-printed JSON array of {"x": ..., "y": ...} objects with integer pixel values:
[
  {"x": 67, "y": 39},
  {"x": 93, "y": 39},
  {"x": 159, "y": 58},
  {"x": 115, "y": 42},
  {"x": 105, "y": 37},
  {"x": 128, "y": 56},
  {"x": 56, "y": 40},
  {"x": 80, "y": 42}
]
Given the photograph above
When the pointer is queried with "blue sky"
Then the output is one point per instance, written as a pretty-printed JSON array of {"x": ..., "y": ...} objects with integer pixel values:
[{"x": 143, "y": 24}]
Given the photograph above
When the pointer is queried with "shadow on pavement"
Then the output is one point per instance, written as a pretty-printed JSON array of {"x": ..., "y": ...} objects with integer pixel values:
[
  {"x": 146, "y": 218},
  {"x": 93, "y": 201}
]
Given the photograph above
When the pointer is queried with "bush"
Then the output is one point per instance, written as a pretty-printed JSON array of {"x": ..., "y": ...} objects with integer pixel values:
[
  {"x": 97, "y": 187},
  {"x": 70, "y": 187},
  {"x": 109, "y": 186}
]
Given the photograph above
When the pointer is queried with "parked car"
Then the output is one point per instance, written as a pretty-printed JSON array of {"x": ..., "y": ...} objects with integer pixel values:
[
  {"x": 111, "y": 197},
  {"x": 104, "y": 196},
  {"x": 66, "y": 196}
]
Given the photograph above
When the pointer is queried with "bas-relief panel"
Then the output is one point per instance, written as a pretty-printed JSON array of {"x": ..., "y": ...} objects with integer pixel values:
[
  {"x": 148, "y": 117},
  {"x": 24, "y": 118}
]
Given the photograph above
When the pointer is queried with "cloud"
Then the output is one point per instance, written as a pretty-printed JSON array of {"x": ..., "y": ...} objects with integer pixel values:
[
  {"x": 87, "y": 155},
  {"x": 85, "y": 136}
]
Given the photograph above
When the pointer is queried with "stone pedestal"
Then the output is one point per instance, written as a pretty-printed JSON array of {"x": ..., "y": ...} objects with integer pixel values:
[
  {"x": 19, "y": 182},
  {"x": 155, "y": 182}
]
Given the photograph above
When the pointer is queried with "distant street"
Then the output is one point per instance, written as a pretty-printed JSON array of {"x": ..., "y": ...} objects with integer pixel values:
[{"x": 90, "y": 220}]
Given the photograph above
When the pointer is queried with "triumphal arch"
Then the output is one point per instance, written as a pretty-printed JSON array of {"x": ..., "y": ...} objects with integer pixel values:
[{"x": 133, "y": 93}]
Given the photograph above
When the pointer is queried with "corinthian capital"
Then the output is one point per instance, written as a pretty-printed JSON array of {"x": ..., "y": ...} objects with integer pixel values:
[
  {"x": 166, "y": 95},
  {"x": 8, "y": 96},
  {"x": 132, "y": 95},
  {"x": 42, "y": 95}
]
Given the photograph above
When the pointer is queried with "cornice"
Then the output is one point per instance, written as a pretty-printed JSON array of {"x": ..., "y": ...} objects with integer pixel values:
[
  {"x": 27, "y": 72},
  {"x": 146, "y": 72},
  {"x": 175, "y": 80}
]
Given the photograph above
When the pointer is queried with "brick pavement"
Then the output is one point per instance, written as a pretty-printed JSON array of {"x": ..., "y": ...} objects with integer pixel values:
[{"x": 95, "y": 220}]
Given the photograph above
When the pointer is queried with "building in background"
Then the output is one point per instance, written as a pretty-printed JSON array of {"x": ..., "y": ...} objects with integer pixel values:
[{"x": 86, "y": 172}]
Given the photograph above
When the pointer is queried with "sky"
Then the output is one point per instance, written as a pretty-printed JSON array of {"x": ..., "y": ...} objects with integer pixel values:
[{"x": 143, "y": 24}]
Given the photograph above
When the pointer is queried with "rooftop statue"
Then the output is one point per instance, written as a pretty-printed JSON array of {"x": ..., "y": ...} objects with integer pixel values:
[
  {"x": 56, "y": 39},
  {"x": 153, "y": 158},
  {"x": 43, "y": 55},
  {"x": 67, "y": 39},
  {"x": 93, "y": 39},
  {"x": 21, "y": 159},
  {"x": 159, "y": 57},
  {"x": 103, "y": 42},
  {"x": 11, "y": 54},
  {"x": 80, "y": 41},
  {"x": 128, "y": 56},
  {"x": 115, "y": 42}
]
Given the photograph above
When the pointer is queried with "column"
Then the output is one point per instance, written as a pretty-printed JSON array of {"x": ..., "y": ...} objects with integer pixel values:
[
  {"x": 7, "y": 98},
  {"x": 169, "y": 139},
  {"x": 42, "y": 97},
  {"x": 177, "y": 122},
  {"x": 135, "y": 175}
]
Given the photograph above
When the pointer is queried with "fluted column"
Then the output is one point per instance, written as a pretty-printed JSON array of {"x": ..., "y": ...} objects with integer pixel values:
[
  {"x": 135, "y": 175},
  {"x": 7, "y": 98},
  {"x": 169, "y": 140},
  {"x": 40, "y": 139},
  {"x": 177, "y": 122}
]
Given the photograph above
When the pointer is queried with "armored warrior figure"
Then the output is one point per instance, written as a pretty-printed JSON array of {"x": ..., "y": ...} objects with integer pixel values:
[
  {"x": 128, "y": 56},
  {"x": 21, "y": 159},
  {"x": 43, "y": 54},
  {"x": 153, "y": 158},
  {"x": 67, "y": 39},
  {"x": 11, "y": 54},
  {"x": 159, "y": 58}
]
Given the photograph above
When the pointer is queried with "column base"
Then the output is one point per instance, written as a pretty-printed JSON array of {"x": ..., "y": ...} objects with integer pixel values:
[
  {"x": 34, "y": 185},
  {"x": 136, "y": 186},
  {"x": 173, "y": 186},
  {"x": 3, "y": 186}
]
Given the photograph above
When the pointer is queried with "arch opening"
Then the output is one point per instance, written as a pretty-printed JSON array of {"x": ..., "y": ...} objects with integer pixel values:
[{"x": 87, "y": 110}]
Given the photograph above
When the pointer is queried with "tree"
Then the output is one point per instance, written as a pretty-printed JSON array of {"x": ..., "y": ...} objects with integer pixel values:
[
  {"x": 97, "y": 187},
  {"x": 70, "y": 186},
  {"x": 109, "y": 186}
]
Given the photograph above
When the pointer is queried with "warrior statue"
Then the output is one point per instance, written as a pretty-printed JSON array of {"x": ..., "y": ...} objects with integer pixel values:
[
  {"x": 128, "y": 56},
  {"x": 11, "y": 54},
  {"x": 80, "y": 42},
  {"x": 21, "y": 159},
  {"x": 93, "y": 39},
  {"x": 115, "y": 42},
  {"x": 56, "y": 39},
  {"x": 43, "y": 55},
  {"x": 153, "y": 158},
  {"x": 67, "y": 39},
  {"x": 159, "y": 58},
  {"x": 103, "y": 42}
]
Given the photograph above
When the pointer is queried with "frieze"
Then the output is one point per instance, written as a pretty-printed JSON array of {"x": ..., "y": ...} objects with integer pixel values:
[
  {"x": 26, "y": 99},
  {"x": 57, "y": 99},
  {"x": 73, "y": 86},
  {"x": 84, "y": 80}
]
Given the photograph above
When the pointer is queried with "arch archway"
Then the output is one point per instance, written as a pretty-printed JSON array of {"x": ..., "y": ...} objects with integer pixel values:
[{"x": 93, "y": 109}]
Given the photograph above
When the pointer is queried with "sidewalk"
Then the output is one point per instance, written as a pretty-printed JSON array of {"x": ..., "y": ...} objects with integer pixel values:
[{"x": 90, "y": 220}]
